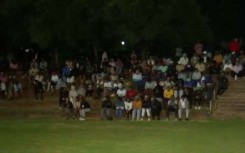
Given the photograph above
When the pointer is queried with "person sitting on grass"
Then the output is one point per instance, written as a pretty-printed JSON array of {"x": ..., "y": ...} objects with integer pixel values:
[
  {"x": 106, "y": 109},
  {"x": 183, "y": 106},
  {"x": 172, "y": 106},
  {"x": 84, "y": 108}
]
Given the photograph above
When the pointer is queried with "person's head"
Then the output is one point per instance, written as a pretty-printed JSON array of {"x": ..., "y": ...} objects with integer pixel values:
[{"x": 183, "y": 97}]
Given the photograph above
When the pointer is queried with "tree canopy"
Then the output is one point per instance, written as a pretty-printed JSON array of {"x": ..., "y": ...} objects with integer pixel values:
[{"x": 89, "y": 25}]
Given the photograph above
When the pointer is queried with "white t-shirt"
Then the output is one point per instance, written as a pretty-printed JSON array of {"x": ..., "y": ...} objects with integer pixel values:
[
  {"x": 128, "y": 105},
  {"x": 121, "y": 92}
]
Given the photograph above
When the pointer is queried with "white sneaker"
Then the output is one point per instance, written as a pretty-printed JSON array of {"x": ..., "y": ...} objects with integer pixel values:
[
  {"x": 141, "y": 119},
  {"x": 199, "y": 108},
  {"x": 149, "y": 119},
  {"x": 81, "y": 119}
]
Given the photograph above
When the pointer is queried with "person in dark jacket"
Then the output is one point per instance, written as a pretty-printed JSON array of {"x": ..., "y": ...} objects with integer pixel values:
[
  {"x": 222, "y": 84},
  {"x": 156, "y": 108},
  {"x": 146, "y": 108},
  {"x": 172, "y": 106},
  {"x": 84, "y": 108},
  {"x": 106, "y": 109}
]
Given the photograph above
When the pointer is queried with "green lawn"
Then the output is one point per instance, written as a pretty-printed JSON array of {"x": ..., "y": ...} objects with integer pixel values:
[{"x": 59, "y": 136}]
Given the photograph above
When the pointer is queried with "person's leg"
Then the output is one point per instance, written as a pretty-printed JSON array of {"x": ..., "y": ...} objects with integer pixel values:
[
  {"x": 148, "y": 112},
  {"x": 158, "y": 112},
  {"x": 134, "y": 114},
  {"x": 138, "y": 114},
  {"x": 167, "y": 112},
  {"x": 102, "y": 113},
  {"x": 143, "y": 111},
  {"x": 180, "y": 113},
  {"x": 187, "y": 114}
]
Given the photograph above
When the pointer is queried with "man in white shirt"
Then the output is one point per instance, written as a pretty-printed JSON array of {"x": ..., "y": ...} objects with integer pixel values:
[{"x": 183, "y": 106}]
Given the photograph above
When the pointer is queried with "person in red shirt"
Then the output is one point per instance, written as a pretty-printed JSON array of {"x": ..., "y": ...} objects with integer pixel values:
[{"x": 234, "y": 46}]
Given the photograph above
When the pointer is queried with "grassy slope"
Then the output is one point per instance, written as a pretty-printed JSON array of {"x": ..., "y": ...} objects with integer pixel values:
[{"x": 59, "y": 136}]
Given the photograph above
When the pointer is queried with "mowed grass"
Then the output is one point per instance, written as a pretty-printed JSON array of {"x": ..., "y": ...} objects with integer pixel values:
[{"x": 61, "y": 136}]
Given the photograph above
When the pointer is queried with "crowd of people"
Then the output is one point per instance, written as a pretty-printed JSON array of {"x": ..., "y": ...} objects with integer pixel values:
[{"x": 136, "y": 88}]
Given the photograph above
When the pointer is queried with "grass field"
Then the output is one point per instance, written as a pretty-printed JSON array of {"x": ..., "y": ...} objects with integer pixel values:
[{"x": 60, "y": 136}]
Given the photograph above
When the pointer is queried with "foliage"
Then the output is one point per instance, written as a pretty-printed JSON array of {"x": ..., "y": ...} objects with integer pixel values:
[{"x": 77, "y": 24}]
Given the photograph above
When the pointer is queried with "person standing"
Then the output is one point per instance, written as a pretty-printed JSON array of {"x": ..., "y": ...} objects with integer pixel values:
[
  {"x": 137, "y": 106},
  {"x": 183, "y": 107}
]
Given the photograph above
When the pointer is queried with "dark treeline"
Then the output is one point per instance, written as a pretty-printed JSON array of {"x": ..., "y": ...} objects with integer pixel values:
[{"x": 88, "y": 27}]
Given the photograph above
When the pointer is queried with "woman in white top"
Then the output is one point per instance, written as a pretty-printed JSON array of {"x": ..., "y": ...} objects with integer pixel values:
[{"x": 128, "y": 107}]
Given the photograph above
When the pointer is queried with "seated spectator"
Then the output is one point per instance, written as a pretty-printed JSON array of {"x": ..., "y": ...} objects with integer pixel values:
[
  {"x": 198, "y": 98},
  {"x": 146, "y": 108},
  {"x": 179, "y": 67},
  {"x": 184, "y": 60},
  {"x": 32, "y": 73},
  {"x": 99, "y": 86},
  {"x": 205, "y": 57},
  {"x": 227, "y": 66},
  {"x": 53, "y": 81},
  {"x": 150, "y": 86},
  {"x": 89, "y": 88},
  {"x": 106, "y": 109},
  {"x": 237, "y": 70},
  {"x": 156, "y": 108},
  {"x": 163, "y": 68},
  {"x": 82, "y": 90},
  {"x": 43, "y": 65},
  {"x": 73, "y": 94},
  {"x": 167, "y": 94},
  {"x": 242, "y": 57},
  {"x": 119, "y": 104},
  {"x": 68, "y": 108},
  {"x": 172, "y": 106},
  {"x": 194, "y": 60},
  {"x": 183, "y": 106},
  {"x": 217, "y": 59},
  {"x": 108, "y": 85},
  {"x": 137, "y": 80},
  {"x": 121, "y": 92},
  {"x": 128, "y": 107},
  {"x": 119, "y": 67},
  {"x": 17, "y": 89},
  {"x": 222, "y": 84},
  {"x": 178, "y": 92},
  {"x": 169, "y": 82},
  {"x": 76, "y": 107},
  {"x": 3, "y": 89},
  {"x": 234, "y": 45},
  {"x": 38, "y": 90},
  {"x": 196, "y": 76},
  {"x": 200, "y": 66},
  {"x": 84, "y": 108},
  {"x": 63, "y": 96},
  {"x": 70, "y": 79},
  {"x": 137, "y": 106}
]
